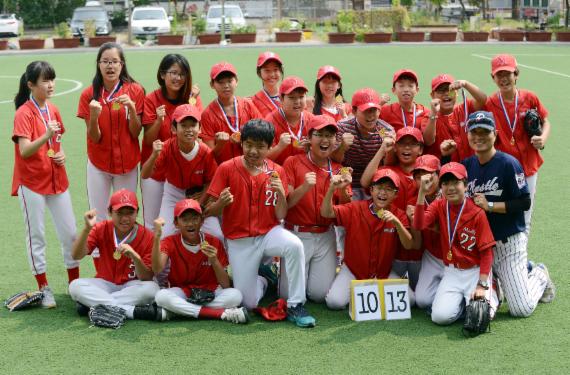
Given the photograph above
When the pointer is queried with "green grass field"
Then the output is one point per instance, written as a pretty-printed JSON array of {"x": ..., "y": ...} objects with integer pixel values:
[{"x": 58, "y": 341}]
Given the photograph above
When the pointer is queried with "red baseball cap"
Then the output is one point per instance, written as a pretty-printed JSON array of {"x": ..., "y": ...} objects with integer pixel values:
[
  {"x": 321, "y": 121},
  {"x": 429, "y": 163},
  {"x": 408, "y": 130},
  {"x": 503, "y": 62},
  {"x": 291, "y": 83},
  {"x": 403, "y": 72},
  {"x": 456, "y": 169},
  {"x": 123, "y": 198},
  {"x": 365, "y": 98},
  {"x": 440, "y": 80},
  {"x": 186, "y": 204},
  {"x": 268, "y": 56},
  {"x": 328, "y": 69},
  {"x": 186, "y": 110},
  {"x": 221, "y": 67},
  {"x": 387, "y": 173}
]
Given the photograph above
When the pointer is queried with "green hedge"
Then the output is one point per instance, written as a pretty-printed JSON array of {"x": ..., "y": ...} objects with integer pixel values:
[
  {"x": 392, "y": 19},
  {"x": 42, "y": 13}
]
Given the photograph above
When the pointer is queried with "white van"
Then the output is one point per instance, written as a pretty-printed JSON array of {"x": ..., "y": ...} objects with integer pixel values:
[
  {"x": 150, "y": 21},
  {"x": 233, "y": 16}
]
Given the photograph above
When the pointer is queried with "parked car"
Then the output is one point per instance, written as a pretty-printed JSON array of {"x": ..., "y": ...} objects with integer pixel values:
[
  {"x": 93, "y": 3},
  {"x": 150, "y": 21},
  {"x": 97, "y": 14},
  {"x": 10, "y": 25},
  {"x": 233, "y": 16}
]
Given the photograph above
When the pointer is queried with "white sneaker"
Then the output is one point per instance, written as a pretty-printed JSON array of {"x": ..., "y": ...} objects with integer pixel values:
[
  {"x": 48, "y": 302},
  {"x": 236, "y": 315},
  {"x": 550, "y": 290}
]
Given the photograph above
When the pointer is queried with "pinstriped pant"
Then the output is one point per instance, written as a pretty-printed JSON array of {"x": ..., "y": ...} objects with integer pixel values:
[{"x": 521, "y": 288}]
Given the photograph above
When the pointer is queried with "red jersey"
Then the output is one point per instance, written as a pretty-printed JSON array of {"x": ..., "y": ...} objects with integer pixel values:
[
  {"x": 522, "y": 149},
  {"x": 307, "y": 212},
  {"x": 117, "y": 152},
  {"x": 38, "y": 172},
  {"x": 392, "y": 114},
  {"x": 337, "y": 116},
  {"x": 371, "y": 243},
  {"x": 264, "y": 104},
  {"x": 214, "y": 120},
  {"x": 252, "y": 212},
  {"x": 431, "y": 238},
  {"x": 101, "y": 246},
  {"x": 184, "y": 173},
  {"x": 188, "y": 269},
  {"x": 453, "y": 127},
  {"x": 281, "y": 126},
  {"x": 473, "y": 241}
]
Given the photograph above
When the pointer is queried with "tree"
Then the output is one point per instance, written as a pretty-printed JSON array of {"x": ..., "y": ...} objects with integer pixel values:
[
  {"x": 567, "y": 13},
  {"x": 438, "y": 4},
  {"x": 515, "y": 14}
]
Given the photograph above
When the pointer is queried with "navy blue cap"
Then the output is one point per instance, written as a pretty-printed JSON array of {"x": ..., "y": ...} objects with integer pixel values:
[{"x": 481, "y": 119}]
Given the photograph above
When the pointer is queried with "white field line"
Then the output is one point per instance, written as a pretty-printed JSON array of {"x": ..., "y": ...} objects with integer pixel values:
[
  {"x": 77, "y": 86},
  {"x": 528, "y": 67}
]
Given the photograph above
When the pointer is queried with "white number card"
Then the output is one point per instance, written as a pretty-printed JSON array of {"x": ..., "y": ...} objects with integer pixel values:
[
  {"x": 395, "y": 299},
  {"x": 365, "y": 300}
]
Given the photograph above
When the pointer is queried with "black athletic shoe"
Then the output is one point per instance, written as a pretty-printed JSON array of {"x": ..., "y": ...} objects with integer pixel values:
[
  {"x": 150, "y": 312},
  {"x": 81, "y": 309}
]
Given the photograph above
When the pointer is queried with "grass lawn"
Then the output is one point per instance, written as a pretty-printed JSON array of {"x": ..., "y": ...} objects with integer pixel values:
[{"x": 58, "y": 341}]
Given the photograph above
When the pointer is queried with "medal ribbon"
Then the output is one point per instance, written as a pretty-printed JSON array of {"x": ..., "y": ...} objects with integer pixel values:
[
  {"x": 451, "y": 235},
  {"x": 110, "y": 98},
  {"x": 404, "y": 117},
  {"x": 42, "y": 116},
  {"x": 127, "y": 238},
  {"x": 465, "y": 108},
  {"x": 271, "y": 99},
  {"x": 329, "y": 171},
  {"x": 512, "y": 125},
  {"x": 371, "y": 208},
  {"x": 236, "y": 128},
  {"x": 301, "y": 125}
]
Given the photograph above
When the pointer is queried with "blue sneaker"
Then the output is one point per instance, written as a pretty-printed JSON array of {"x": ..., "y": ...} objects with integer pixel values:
[{"x": 298, "y": 315}]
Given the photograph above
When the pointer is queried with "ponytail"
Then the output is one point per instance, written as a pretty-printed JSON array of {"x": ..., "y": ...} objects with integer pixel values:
[
  {"x": 34, "y": 71},
  {"x": 23, "y": 92}
]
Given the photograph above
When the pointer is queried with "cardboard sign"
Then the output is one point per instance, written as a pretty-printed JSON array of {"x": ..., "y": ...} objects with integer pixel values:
[{"x": 379, "y": 299}]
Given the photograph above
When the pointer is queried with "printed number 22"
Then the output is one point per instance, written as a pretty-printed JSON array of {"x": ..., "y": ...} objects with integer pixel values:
[
  {"x": 467, "y": 242},
  {"x": 270, "y": 198},
  {"x": 401, "y": 306}
]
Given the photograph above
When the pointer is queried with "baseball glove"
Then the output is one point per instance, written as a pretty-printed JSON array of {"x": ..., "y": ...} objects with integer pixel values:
[
  {"x": 199, "y": 296},
  {"x": 22, "y": 300},
  {"x": 477, "y": 318},
  {"x": 532, "y": 123},
  {"x": 107, "y": 316}
]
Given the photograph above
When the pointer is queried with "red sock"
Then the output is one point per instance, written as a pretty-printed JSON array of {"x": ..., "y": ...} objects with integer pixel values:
[
  {"x": 42, "y": 280},
  {"x": 72, "y": 274},
  {"x": 210, "y": 313}
]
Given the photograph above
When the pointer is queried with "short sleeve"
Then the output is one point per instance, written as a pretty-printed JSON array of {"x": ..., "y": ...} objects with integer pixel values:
[
  {"x": 219, "y": 182},
  {"x": 138, "y": 98},
  {"x": 83, "y": 106},
  {"x": 23, "y": 125},
  {"x": 208, "y": 125},
  {"x": 343, "y": 213},
  {"x": 289, "y": 168},
  {"x": 146, "y": 251},
  {"x": 93, "y": 237},
  {"x": 401, "y": 215},
  {"x": 210, "y": 167},
  {"x": 149, "y": 111},
  {"x": 165, "y": 247},
  {"x": 160, "y": 163}
]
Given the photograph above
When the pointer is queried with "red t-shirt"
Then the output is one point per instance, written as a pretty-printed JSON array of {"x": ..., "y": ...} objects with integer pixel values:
[
  {"x": 214, "y": 121},
  {"x": 38, "y": 172},
  {"x": 392, "y": 114},
  {"x": 371, "y": 243},
  {"x": 184, "y": 173},
  {"x": 281, "y": 126},
  {"x": 453, "y": 127},
  {"x": 252, "y": 212},
  {"x": 337, "y": 116},
  {"x": 264, "y": 104},
  {"x": 473, "y": 241},
  {"x": 117, "y": 152},
  {"x": 191, "y": 270},
  {"x": 307, "y": 212},
  {"x": 522, "y": 150},
  {"x": 101, "y": 246}
]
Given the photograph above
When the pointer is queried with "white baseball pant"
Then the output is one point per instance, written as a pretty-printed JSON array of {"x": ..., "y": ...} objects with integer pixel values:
[
  {"x": 320, "y": 265},
  {"x": 454, "y": 293},
  {"x": 409, "y": 269},
  {"x": 246, "y": 254},
  {"x": 33, "y": 207},
  {"x": 338, "y": 296},
  {"x": 531, "y": 182},
  {"x": 521, "y": 288},
  {"x": 92, "y": 292},
  {"x": 431, "y": 274},
  {"x": 99, "y": 185},
  {"x": 151, "y": 191},
  {"x": 174, "y": 300}
]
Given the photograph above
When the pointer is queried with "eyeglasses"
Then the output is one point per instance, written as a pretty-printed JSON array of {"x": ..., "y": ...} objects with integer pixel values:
[
  {"x": 175, "y": 74},
  {"x": 324, "y": 135},
  {"x": 409, "y": 144},
  {"x": 382, "y": 189},
  {"x": 110, "y": 62}
]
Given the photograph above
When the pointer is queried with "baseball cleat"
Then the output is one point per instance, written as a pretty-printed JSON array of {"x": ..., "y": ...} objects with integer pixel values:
[
  {"x": 550, "y": 290},
  {"x": 298, "y": 315},
  {"x": 238, "y": 315},
  {"x": 151, "y": 312},
  {"x": 48, "y": 302}
]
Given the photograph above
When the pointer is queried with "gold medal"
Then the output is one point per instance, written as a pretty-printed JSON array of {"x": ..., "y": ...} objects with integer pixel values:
[
  {"x": 204, "y": 244},
  {"x": 192, "y": 100},
  {"x": 296, "y": 143},
  {"x": 50, "y": 153},
  {"x": 339, "y": 99},
  {"x": 452, "y": 94},
  {"x": 344, "y": 170},
  {"x": 382, "y": 132},
  {"x": 116, "y": 254},
  {"x": 513, "y": 141},
  {"x": 236, "y": 137},
  {"x": 380, "y": 213},
  {"x": 449, "y": 255},
  {"x": 274, "y": 174},
  {"x": 116, "y": 106}
]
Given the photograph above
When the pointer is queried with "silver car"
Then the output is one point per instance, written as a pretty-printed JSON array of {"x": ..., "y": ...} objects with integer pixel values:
[{"x": 97, "y": 14}]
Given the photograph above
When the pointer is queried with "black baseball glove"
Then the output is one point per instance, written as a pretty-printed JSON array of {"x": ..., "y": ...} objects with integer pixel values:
[
  {"x": 199, "y": 296},
  {"x": 477, "y": 318},
  {"x": 532, "y": 123},
  {"x": 107, "y": 316},
  {"x": 22, "y": 300}
]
